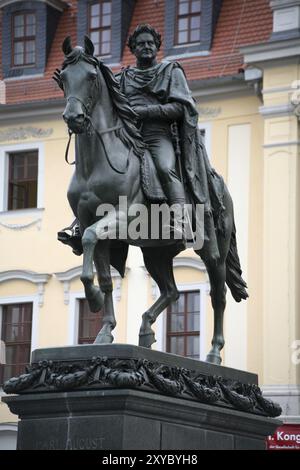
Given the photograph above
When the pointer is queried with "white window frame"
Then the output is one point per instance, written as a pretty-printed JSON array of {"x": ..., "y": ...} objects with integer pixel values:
[
  {"x": 161, "y": 330},
  {"x": 73, "y": 324},
  {"x": 5, "y": 150},
  {"x": 34, "y": 299}
]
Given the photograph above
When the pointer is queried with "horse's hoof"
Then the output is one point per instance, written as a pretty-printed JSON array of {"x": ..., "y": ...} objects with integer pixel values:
[
  {"x": 104, "y": 339},
  {"x": 214, "y": 358},
  {"x": 146, "y": 340}
]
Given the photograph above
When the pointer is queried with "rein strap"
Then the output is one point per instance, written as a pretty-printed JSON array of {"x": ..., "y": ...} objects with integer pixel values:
[
  {"x": 104, "y": 131},
  {"x": 67, "y": 149}
]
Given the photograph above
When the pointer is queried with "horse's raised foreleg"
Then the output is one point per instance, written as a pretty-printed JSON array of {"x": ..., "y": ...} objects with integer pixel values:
[
  {"x": 160, "y": 267},
  {"x": 102, "y": 263},
  {"x": 101, "y": 230}
]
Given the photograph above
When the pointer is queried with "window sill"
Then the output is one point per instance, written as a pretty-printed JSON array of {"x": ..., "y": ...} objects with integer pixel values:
[
  {"x": 21, "y": 213},
  {"x": 186, "y": 44},
  {"x": 23, "y": 77},
  {"x": 14, "y": 73},
  {"x": 186, "y": 55}
]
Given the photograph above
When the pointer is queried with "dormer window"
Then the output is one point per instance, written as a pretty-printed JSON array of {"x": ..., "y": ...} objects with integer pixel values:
[
  {"x": 100, "y": 27},
  {"x": 28, "y": 29},
  {"x": 106, "y": 22},
  {"x": 189, "y": 27},
  {"x": 24, "y": 31},
  {"x": 188, "y": 21}
]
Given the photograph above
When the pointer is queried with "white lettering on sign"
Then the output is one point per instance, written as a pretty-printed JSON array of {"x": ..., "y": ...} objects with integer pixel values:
[{"x": 282, "y": 436}]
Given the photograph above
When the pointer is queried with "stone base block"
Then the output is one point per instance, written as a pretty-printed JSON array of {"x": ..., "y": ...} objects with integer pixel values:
[{"x": 116, "y": 397}]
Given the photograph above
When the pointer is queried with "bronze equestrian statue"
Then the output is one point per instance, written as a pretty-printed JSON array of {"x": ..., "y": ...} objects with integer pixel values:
[{"x": 122, "y": 126}]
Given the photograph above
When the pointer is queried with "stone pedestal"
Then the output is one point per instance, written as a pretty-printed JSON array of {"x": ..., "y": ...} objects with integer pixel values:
[{"x": 117, "y": 397}]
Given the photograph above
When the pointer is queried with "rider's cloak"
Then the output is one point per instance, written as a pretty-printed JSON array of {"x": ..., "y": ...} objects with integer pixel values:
[{"x": 168, "y": 84}]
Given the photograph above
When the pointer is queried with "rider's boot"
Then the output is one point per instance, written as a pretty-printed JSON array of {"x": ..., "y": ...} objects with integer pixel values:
[
  {"x": 71, "y": 236},
  {"x": 176, "y": 200},
  {"x": 178, "y": 222}
]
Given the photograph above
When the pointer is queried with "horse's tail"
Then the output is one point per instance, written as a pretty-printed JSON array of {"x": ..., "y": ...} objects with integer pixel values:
[{"x": 234, "y": 279}]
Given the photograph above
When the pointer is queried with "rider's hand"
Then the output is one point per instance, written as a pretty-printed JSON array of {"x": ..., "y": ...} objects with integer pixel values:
[{"x": 141, "y": 111}]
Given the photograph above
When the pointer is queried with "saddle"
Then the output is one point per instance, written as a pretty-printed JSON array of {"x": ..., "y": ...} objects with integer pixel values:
[{"x": 150, "y": 182}]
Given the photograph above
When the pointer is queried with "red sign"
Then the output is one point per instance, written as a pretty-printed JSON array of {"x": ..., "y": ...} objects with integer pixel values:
[{"x": 285, "y": 437}]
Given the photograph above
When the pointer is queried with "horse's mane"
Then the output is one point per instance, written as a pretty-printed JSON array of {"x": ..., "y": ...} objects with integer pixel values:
[{"x": 129, "y": 134}]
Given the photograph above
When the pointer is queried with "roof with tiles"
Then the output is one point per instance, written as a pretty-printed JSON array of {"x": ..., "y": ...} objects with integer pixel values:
[{"x": 240, "y": 22}]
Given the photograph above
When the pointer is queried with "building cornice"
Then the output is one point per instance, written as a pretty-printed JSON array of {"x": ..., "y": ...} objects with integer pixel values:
[
  {"x": 221, "y": 86},
  {"x": 31, "y": 276},
  {"x": 54, "y": 107},
  {"x": 40, "y": 279},
  {"x": 66, "y": 277},
  {"x": 74, "y": 273},
  {"x": 276, "y": 111},
  {"x": 273, "y": 50},
  {"x": 56, "y": 4},
  {"x": 282, "y": 4},
  {"x": 32, "y": 109},
  {"x": 189, "y": 262}
]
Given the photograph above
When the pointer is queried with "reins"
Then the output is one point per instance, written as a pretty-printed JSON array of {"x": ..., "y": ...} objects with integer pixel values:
[{"x": 99, "y": 135}]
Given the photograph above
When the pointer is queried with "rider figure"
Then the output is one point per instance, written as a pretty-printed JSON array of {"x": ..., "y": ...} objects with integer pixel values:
[
  {"x": 160, "y": 96},
  {"x": 154, "y": 114}
]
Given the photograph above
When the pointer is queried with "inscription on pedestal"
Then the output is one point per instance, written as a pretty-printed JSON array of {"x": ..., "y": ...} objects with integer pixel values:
[{"x": 75, "y": 443}]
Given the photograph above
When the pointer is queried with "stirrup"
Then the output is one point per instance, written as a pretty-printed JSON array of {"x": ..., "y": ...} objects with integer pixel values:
[{"x": 73, "y": 239}]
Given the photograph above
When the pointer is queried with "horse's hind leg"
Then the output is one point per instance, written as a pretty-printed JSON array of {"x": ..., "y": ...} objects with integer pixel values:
[
  {"x": 217, "y": 276},
  {"x": 159, "y": 264},
  {"x": 102, "y": 263}
]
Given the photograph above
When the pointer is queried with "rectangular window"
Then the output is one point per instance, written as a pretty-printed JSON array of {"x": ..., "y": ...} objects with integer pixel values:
[
  {"x": 183, "y": 325},
  {"x": 188, "y": 21},
  {"x": 24, "y": 33},
  {"x": 100, "y": 27},
  {"x": 16, "y": 335},
  {"x": 89, "y": 323},
  {"x": 23, "y": 178}
]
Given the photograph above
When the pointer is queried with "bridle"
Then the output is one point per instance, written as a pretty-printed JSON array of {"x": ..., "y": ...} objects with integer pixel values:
[{"x": 99, "y": 134}]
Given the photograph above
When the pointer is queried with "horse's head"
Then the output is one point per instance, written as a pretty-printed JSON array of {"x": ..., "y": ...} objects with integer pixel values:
[
  {"x": 84, "y": 80},
  {"x": 79, "y": 82}
]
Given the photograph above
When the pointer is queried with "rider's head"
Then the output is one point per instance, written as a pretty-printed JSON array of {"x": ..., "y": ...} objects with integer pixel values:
[{"x": 144, "y": 28}]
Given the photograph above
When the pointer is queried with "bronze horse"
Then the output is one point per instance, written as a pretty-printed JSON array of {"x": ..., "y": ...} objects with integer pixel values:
[{"x": 107, "y": 150}]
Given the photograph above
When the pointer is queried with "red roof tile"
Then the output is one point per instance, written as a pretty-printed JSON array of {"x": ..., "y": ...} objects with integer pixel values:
[{"x": 240, "y": 22}]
